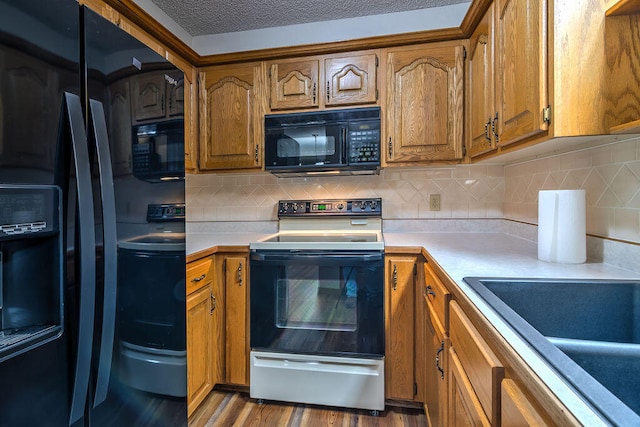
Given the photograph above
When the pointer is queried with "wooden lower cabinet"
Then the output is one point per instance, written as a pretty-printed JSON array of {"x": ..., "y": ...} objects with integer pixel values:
[
  {"x": 517, "y": 408},
  {"x": 233, "y": 269},
  {"x": 400, "y": 382},
  {"x": 201, "y": 314}
]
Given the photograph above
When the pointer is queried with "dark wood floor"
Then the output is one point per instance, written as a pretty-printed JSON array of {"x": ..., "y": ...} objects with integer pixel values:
[{"x": 223, "y": 408}]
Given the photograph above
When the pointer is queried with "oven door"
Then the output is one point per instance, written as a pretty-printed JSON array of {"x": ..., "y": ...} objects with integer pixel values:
[
  {"x": 318, "y": 302},
  {"x": 310, "y": 147}
]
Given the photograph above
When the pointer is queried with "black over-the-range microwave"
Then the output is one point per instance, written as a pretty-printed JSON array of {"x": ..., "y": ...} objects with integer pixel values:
[
  {"x": 158, "y": 151},
  {"x": 323, "y": 142}
]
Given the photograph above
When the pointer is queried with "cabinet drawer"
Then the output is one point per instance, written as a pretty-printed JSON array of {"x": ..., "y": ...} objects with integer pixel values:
[
  {"x": 437, "y": 297},
  {"x": 198, "y": 274},
  {"x": 481, "y": 366}
]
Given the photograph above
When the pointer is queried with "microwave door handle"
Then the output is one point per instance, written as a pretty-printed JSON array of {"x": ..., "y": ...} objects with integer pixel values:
[
  {"x": 345, "y": 155},
  {"x": 72, "y": 108},
  {"x": 314, "y": 123},
  {"x": 110, "y": 251}
]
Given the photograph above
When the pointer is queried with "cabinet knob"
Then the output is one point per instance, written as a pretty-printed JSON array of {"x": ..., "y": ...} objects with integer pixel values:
[{"x": 428, "y": 290}]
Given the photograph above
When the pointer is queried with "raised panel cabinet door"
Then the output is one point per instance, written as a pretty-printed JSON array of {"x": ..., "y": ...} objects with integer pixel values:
[
  {"x": 424, "y": 118},
  {"x": 175, "y": 94},
  {"x": 199, "y": 373},
  {"x": 119, "y": 98},
  {"x": 231, "y": 116},
  {"x": 399, "y": 352},
  {"x": 190, "y": 119},
  {"x": 521, "y": 74},
  {"x": 351, "y": 80},
  {"x": 517, "y": 409},
  {"x": 480, "y": 94},
  {"x": 236, "y": 329},
  {"x": 436, "y": 366},
  {"x": 464, "y": 407},
  {"x": 149, "y": 95},
  {"x": 294, "y": 84}
]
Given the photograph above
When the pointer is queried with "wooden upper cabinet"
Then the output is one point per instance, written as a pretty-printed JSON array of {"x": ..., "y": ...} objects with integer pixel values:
[
  {"x": 481, "y": 131},
  {"x": 323, "y": 81},
  {"x": 231, "y": 116},
  {"x": 351, "y": 80},
  {"x": 521, "y": 75},
  {"x": 158, "y": 95},
  {"x": 424, "y": 111},
  {"x": 294, "y": 83}
]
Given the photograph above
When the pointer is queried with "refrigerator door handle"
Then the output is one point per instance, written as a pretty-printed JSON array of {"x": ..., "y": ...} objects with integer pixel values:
[
  {"x": 86, "y": 253},
  {"x": 110, "y": 250}
]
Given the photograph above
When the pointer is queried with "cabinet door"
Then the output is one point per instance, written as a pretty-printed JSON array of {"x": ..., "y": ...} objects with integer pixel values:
[
  {"x": 231, "y": 116},
  {"x": 149, "y": 95},
  {"x": 480, "y": 94},
  {"x": 119, "y": 98},
  {"x": 424, "y": 118},
  {"x": 175, "y": 94},
  {"x": 436, "y": 366},
  {"x": 517, "y": 409},
  {"x": 199, "y": 377},
  {"x": 399, "y": 352},
  {"x": 190, "y": 119},
  {"x": 294, "y": 84},
  {"x": 351, "y": 80},
  {"x": 237, "y": 343},
  {"x": 521, "y": 74},
  {"x": 464, "y": 407}
]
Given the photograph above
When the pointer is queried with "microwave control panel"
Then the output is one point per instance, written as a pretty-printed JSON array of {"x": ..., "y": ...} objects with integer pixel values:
[{"x": 364, "y": 142}]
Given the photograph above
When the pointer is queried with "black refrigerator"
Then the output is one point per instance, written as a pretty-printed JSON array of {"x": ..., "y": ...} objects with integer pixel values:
[{"x": 91, "y": 223}]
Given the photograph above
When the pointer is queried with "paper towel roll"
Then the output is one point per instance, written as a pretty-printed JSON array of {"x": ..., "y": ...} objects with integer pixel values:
[{"x": 562, "y": 226}]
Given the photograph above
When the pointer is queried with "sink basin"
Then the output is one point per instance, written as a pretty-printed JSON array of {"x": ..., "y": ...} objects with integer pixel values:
[{"x": 587, "y": 330}]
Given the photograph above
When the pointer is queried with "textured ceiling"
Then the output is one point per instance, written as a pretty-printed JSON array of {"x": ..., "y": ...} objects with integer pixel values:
[{"x": 202, "y": 17}]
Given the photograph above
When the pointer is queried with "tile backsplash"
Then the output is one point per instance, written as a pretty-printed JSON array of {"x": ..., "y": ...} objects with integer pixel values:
[
  {"x": 466, "y": 192},
  {"x": 610, "y": 174}
]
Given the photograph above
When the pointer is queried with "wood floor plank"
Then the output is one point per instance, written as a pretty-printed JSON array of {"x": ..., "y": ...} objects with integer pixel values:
[{"x": 237, "y": 409}]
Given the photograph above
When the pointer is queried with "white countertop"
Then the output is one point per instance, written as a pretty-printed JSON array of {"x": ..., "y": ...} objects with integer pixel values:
[{"x": 483, "y": 255}]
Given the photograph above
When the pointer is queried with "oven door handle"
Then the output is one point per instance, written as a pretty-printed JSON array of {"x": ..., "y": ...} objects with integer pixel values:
[{"x": 341, "y": 258}]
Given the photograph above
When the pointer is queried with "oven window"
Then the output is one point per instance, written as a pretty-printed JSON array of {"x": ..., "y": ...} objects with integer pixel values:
[
  {"x": 317, "y": 298},
  {"x": 317, "y": 303}
]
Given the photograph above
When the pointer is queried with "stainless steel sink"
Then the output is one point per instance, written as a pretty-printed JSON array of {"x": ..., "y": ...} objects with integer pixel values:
[{"x": 587, "y": 330}]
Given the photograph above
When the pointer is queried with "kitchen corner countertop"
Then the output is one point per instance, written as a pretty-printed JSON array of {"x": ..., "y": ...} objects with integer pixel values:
[
  {"x": 501, "y": 255},
  {"x": 470, "y": 254}
]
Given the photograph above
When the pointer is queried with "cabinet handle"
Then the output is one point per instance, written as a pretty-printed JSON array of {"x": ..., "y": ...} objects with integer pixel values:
[
  {"x": 440, "y": 350},
  {"x": 486, "y": 130},
  {"x": 257, "y": 149},
  {"x": 314, "y": 90},
  {"x": 213, "y": 302},
  {"x": 240, "y": 274},
  {"x": 428, "y": 290},
  {"x": 328, "y": 92},
  {"x": 395, "y": 277},
  {"x": 390, "y": 148},
  {"x": 493, "y": 128},
  {"x": 198, "y": 279}
]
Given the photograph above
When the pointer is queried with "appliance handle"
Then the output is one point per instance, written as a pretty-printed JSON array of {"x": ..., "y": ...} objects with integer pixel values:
[
  {"x": 86, "y": 253},
  {"x": 334, "y": 258},
  {"x": 110, "y": 250}
]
